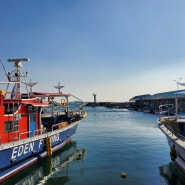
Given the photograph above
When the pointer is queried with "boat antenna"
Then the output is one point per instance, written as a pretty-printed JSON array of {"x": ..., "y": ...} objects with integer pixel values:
[
  {"x": 31, "y": 84},
  {"x": 59, "y": 87},
  {"x": 16, "y": 75}
]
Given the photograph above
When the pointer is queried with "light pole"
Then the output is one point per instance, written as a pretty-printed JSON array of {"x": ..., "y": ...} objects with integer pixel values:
[
  {"x": 177, "y": 82},
  {"x": 94, "y": 99}
]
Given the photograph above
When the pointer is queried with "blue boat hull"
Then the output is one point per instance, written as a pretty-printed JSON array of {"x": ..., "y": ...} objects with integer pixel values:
[{"x": 20, "y": 156}]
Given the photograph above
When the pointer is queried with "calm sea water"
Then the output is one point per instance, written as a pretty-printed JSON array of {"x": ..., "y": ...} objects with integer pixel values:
[{"x": 108, "y": 142}]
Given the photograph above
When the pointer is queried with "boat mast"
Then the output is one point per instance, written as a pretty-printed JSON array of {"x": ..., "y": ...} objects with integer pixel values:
[
  {"x": 59, "y": 87},
  {"x": 31, "y": 84},
  {"x": 15, "y": 76}
]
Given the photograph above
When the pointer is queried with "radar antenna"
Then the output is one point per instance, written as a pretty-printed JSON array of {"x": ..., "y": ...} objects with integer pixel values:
[
  {"x": 15, "y": 76},
  {"x": 18, "y": 66},
  {"x": 59, "y": 87},
  {"x": 31, "y": 84}
]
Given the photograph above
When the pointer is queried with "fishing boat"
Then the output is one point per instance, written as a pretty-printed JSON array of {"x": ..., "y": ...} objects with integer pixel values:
[
  {"x": 55, "y": 168},
  {"x": 172, "y": 124},
  {"x": 27, "y": 132}
]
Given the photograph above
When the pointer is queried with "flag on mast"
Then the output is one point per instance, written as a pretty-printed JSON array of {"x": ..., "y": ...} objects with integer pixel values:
[{"x": 15, "y": 91}]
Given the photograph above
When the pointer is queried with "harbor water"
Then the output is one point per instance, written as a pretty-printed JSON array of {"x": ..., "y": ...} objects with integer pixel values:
[{"x": 108, "y": 142}]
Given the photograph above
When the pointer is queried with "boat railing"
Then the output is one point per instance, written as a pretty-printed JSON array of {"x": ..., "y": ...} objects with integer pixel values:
[
  {"x": 28, "y": 132},
  {"x": 172, "y": 123},
  {"x": 55, "y": 126},
  {"x": 70, "y": 113},
  {"x": 181, "y": 137},
  {"x": 166, "y": 109},
  {"x": 39, "y": 131},
  {"x": 47, "y": 114},
  {"x": 172, "y": 129},
  {"x": 82, "y": 112}
]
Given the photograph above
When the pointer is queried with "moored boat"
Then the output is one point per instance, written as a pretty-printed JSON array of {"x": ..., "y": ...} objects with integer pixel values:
[
  {"x": 26, "y": 133},
  {"x": 173, "y": 126},
  {"x": 41, "y": 172}
]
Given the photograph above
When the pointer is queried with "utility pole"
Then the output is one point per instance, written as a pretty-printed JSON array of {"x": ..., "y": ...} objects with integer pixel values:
[{"x": 177, "y": 82}]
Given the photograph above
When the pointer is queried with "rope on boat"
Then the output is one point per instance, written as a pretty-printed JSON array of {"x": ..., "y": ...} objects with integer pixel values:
[
  {"x": 82, "y": 102},
  {"x": 76, "y": 97}
]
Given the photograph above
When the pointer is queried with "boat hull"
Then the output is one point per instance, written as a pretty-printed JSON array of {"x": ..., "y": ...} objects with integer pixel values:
[
  {"x": 179, "y": 146},
  {"x": 24, "y": 153}
]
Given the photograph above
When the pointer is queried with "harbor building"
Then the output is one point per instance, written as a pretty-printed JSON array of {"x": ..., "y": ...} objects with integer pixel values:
[{"x": 150, "y": 103}]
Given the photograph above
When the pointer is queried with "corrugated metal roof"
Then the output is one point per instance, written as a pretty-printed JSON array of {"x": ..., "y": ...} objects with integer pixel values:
[
  {"x": 140, "y": 97},
  {"x": 165, "y": 95}
]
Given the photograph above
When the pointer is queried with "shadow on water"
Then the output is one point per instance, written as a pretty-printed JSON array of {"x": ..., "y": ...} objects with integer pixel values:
[
  {"x": 50, "y": 170},
  {"x": 171, "y": 175}
]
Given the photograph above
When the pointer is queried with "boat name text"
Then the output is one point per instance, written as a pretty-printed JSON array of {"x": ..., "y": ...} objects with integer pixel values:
[{"x": 31, "y": 147}]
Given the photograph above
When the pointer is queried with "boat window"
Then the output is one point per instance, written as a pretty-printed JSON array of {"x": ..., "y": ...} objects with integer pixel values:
[
  {"x": 32, "y": 118},
  {"x": 10, "y": 108},
  {"x": 11, "y": 126},
  {"x": 32, "y": 109},
  {"x": 181, "y": 127}
]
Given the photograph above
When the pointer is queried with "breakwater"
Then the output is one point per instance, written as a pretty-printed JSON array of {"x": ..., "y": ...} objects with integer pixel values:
[{"x": 120, "y": 105}]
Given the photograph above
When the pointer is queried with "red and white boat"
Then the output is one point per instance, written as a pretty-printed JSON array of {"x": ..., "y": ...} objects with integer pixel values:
[{"x": 27, "y": 133}]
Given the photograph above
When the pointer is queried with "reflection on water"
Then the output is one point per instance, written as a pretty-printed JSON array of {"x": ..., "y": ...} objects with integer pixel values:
[
  {"x": 171, "y": 175},
  {"x": 56, "y": 167}
]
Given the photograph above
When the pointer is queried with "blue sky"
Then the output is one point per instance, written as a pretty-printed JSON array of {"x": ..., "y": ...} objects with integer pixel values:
[{"x": 114, "y": 48}]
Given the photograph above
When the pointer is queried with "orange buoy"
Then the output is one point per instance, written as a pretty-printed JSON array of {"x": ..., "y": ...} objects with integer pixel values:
[{"x": 123, "y": 175}]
